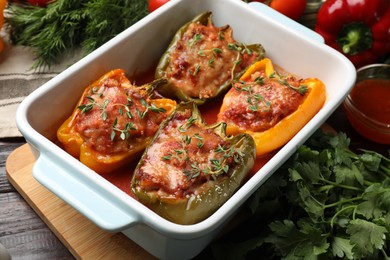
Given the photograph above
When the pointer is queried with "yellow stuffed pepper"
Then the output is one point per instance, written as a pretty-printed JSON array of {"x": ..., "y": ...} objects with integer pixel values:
[
  {"x": 113, "y": 122},
  {"x": 269, "y": 106}
]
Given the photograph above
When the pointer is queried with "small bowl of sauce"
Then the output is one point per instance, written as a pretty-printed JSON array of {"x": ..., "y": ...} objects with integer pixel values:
[{"x": 368, "y": 104}]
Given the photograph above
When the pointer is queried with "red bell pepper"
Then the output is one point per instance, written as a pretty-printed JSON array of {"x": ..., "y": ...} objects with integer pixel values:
[{"x": 360, "y": 29}]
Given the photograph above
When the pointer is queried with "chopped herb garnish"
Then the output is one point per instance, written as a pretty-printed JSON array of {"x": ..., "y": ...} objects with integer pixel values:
[
  {"x": 214, "y": 51},
  {"x": 196, "y": 71},
  {"x": 201, "y": 53},
  {"x": 166, "y": 157},
  {"x": 221, "y": 35},
  {"x": 95, "y": 91},
  {"x": 182, "y": 128},
  {"x": 217, "y": 166},
  {"x": 87, "y": 107},
  {"x": 237, "y": 62},
  {"x": 234, "y": 47},
  {"x": 254, "y": 99},
  {"x": 186, "y": 139},
  {"x": 301, "y": 89},
  {"x": 193, "y": 172},
  {"x": 152, "y": 107},
  {"x": 92, "y": 102},
  {"x": 125, "y": 132},
  {"x": 259, "y": 80},
  {"x": 104, "y": 113},
  {"x": 247, "y": 50},
  {"x": 221, "y": 165},
  {"x": 196, "y": 38},
  {"x": 197, "y": 136}
]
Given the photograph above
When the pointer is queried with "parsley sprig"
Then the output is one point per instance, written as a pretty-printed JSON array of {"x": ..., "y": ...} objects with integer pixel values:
[{"x": 325, "y": 202}]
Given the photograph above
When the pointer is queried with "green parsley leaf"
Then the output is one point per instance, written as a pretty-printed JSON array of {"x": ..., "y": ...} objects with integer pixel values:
[
  {"x": 366, "y": 237},
  {"x": 324, "y": 202},
  {"x": 341, "y": 247}
]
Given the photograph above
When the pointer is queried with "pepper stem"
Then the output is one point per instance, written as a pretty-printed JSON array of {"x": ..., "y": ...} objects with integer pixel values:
[{"x": 354, "y": 38}]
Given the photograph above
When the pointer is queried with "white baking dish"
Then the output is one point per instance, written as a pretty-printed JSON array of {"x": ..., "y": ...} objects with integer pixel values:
[{"x": 288, "y": 44}]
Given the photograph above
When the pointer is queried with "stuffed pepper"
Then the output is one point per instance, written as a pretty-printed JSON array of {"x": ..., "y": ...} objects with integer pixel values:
[
  {"x": 202, "y": 60},
  {"x": 113, "y": 122},
  {"x": 269, "y": 106},
  {"x": 190, "y": 169}
]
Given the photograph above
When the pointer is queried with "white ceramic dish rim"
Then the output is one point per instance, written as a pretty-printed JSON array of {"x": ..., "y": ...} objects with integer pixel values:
[{"x": 53, "y": 157}]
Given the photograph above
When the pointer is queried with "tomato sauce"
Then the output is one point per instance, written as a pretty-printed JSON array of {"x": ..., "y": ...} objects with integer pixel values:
[
  {"x": 121, "y": 178},
  {"x": 372, "y": 98}
]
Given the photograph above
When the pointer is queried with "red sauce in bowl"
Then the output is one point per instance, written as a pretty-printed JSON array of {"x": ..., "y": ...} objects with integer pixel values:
[
  {"x": 372, "y": 98},
  {"x": 368, "y": 109}
]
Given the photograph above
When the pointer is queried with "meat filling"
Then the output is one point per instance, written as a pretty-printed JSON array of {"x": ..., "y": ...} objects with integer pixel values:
[
  {"x": 204, "y": 59},
  {"x": 262, "y": 102},
  {"x": 183, "y": 157},
  {"x": 113, "y": 116}
]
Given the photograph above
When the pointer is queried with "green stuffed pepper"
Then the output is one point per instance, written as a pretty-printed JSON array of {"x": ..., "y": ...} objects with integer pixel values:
[
  {"x": 202, "y": 60},
  {"x": 190, "y": 169}
]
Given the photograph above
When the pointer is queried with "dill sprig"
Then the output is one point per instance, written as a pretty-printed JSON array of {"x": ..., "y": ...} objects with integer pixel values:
[
  {"x": 66, "y": 25},
  {"x": 107, "y": 18}
]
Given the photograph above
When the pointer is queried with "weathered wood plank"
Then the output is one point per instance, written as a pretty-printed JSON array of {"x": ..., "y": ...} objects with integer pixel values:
[
  {"x": 6, "y": 147},
  {"x": 83, "y": 238},
  {"x": 22, "y": 232}
]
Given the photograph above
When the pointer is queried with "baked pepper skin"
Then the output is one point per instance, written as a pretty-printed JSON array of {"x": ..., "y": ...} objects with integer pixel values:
[
  {"x": 279, "y": 134},
  {"x": 244, "y": 55},
  {"x": 358, "y": 29},
  {"x": 197, "y": 202},
  {"x": 76, "y": 144}
]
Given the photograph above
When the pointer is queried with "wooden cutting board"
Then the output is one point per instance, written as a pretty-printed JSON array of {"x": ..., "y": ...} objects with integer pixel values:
[{"x": 83, "y": 238}]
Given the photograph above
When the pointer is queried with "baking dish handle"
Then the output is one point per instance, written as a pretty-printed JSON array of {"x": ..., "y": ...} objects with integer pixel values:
[
  {"x": 299, "y": 28},
  {"x": 88, "y": 198}
]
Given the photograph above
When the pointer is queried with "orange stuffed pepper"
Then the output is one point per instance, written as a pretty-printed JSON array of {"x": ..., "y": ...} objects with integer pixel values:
[
  {"x": 271, "y": 107},
  {"x": 113, "y": 122}
]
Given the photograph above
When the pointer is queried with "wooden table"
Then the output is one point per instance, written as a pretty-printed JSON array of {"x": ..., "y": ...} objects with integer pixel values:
[
  {"x": 22, "y": 231},
  {"x": 26, "y": 236}
]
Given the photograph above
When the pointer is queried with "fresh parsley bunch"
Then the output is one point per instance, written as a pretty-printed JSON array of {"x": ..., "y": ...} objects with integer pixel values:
[
  {"x": 66, "y": 25},
  {"x": 325, "y": 202}
]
